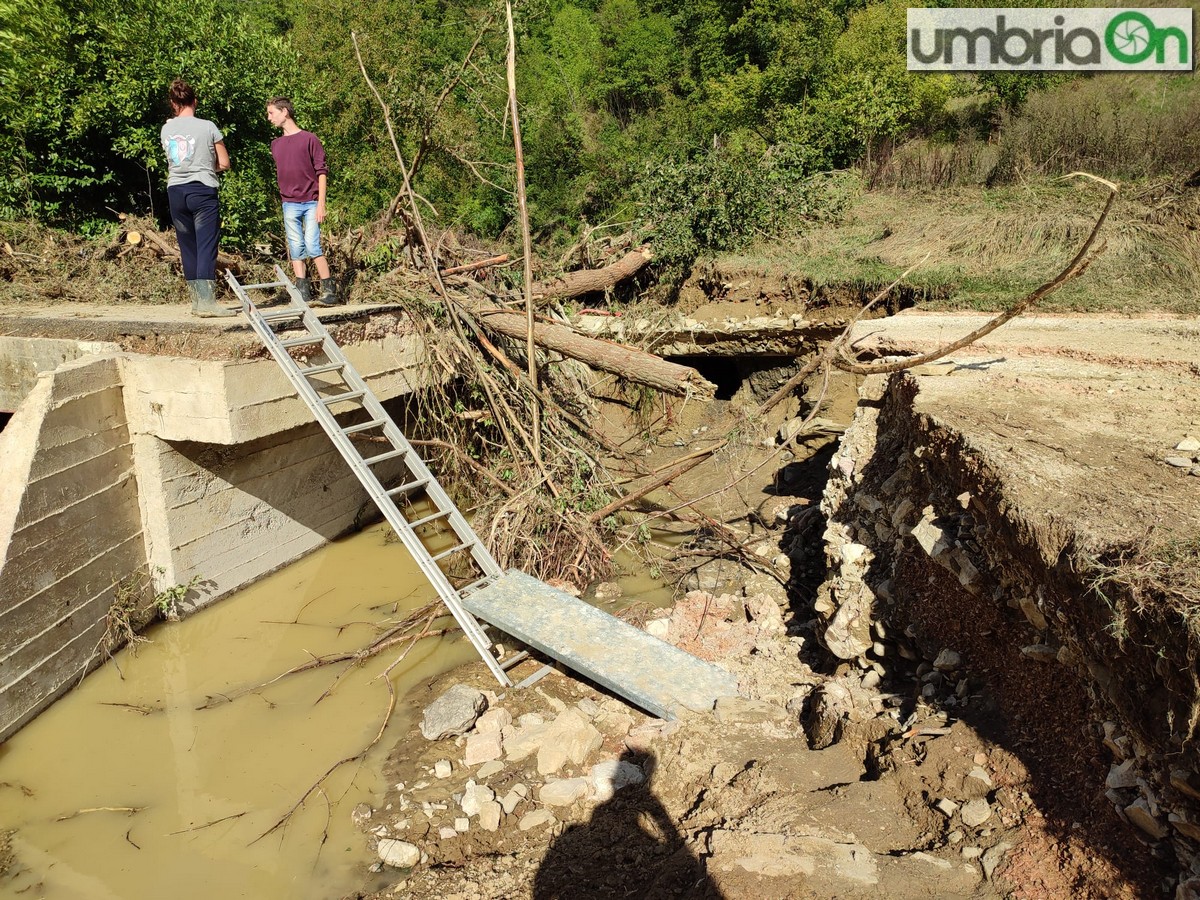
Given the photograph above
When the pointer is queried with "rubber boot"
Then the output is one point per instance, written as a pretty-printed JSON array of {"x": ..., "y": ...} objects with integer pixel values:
[
  {"x": 328, "y": 297},
  {"x": 204, "y": 300},
  {"x": 304, "y": 286}
]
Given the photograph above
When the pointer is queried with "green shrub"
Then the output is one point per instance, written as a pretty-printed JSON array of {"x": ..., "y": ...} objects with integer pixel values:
[{"x": 722, "y": 200}]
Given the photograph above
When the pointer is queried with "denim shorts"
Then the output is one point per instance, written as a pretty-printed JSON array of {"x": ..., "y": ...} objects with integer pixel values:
[{"x": 303, "y": 232}]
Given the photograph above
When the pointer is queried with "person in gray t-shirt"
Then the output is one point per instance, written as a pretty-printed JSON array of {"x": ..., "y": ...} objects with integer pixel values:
[{"x": 196, "y": 154}]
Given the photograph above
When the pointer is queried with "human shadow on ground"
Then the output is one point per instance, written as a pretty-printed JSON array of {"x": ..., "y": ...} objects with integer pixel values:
[{"x": 629, "y": 847}]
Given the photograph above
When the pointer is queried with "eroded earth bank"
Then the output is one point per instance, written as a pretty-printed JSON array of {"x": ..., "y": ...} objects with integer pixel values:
[{"x": 979, "y": 681}]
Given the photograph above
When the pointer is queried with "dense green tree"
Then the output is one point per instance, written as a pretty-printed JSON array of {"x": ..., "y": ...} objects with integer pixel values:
[
  {"x": 84, "y": 98},
  {"x": 627, "y": 106}
]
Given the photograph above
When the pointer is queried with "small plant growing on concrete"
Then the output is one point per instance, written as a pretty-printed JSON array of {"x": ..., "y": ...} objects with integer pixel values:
[{"x": 168, "y": 599}]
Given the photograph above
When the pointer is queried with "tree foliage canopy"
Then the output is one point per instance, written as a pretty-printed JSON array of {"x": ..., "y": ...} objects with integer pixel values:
[{"x": 627, "y": 106}]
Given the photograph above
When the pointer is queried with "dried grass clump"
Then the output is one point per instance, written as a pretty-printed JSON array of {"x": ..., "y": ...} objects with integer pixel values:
[{"x": 1152, "y": 590}]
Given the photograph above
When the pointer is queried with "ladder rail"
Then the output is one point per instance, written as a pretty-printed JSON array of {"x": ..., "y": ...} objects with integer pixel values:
[{"x": 417, "y": 469}]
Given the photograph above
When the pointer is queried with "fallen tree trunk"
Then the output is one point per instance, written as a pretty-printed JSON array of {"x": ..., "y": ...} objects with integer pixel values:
[
  {"x": 633, "y": 365},
  {"x": 163, "y": 248},
  {"x": 586, "y": 281}
]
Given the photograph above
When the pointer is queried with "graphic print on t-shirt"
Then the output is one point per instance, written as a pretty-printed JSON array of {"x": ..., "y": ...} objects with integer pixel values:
[{"x": 180, "y": 148}]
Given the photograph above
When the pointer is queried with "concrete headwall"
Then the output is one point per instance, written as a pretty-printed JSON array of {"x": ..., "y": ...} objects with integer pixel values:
[
  {"x": 70, "y": 530},
  {"x": 123, "y": 466},
  {"x": 229, "y": 515},
  {"x": 23, "y": 360}
]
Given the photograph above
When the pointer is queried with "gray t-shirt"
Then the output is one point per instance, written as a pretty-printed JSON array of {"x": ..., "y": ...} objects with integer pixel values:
[{"x": 191, "y": 156}]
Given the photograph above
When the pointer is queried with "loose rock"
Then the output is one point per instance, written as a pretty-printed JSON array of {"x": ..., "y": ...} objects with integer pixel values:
[
  {"x": 453, "y": 713},
  {"x": 398, "y": 854},
  {"x": 535, "y": 819}
]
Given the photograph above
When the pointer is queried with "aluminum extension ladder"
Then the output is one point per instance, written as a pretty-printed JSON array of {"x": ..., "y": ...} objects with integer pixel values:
[{"x": 350, "y": 388}]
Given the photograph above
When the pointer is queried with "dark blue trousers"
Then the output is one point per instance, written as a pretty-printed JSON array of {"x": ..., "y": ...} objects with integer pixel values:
[{"x": 196, "y": 213}]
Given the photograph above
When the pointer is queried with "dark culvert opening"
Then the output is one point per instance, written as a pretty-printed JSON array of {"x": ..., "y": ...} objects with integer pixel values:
[{"x": 763, "y": 374}]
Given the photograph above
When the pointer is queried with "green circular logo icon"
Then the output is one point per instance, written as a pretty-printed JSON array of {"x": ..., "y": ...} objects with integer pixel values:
[{"x": 1130, "y": 37}]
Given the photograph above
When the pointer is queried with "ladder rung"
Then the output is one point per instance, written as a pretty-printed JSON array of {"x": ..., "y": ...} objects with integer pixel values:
[
  {"x": 300, "y": 341},
  {"x": 432, "y": 518},
  {"x": 346, "y": 395},
  {"x": 365, "y": 426},
  {"x": 513, "y": 660},
  {"x": 276, "y": 314},
  {"x": 267, "y": 285},
  {"x": 317, "y": 370},
  {"x": 411, "y": 486},
  {"x": 468, "y": 545},
  {"x": 391, "y": 454}
]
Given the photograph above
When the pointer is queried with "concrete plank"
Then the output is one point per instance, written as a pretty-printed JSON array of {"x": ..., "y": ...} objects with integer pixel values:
[{"x": 650, "y": 673}]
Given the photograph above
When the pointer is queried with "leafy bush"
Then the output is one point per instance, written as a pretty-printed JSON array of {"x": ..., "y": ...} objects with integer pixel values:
[{"x": 722, "y": 200}]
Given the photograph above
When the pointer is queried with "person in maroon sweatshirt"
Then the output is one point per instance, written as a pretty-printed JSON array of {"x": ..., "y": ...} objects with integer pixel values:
[{"x": 302, "y": 173}]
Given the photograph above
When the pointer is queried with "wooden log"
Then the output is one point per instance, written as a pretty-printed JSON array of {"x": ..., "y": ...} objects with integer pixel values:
[
  {"x": 481, "y": 264},
  {"x": 159, "y": 243},
  {"x": 586, "y": 281},
  {"x": 606, "y": 356}
]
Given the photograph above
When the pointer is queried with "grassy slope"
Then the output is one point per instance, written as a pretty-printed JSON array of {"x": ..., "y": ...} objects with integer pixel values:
[{"x": 988, "y": 247}]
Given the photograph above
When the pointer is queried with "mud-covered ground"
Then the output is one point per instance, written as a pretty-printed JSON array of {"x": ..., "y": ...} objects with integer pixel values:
[{"x": 948, "y": 736}]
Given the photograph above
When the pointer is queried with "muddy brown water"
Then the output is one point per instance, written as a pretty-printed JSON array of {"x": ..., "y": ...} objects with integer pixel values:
[{"x": 133, "y": 736}]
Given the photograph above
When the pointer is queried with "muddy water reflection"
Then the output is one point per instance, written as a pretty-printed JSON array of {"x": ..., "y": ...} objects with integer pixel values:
[{"x": 131, "y": 736}]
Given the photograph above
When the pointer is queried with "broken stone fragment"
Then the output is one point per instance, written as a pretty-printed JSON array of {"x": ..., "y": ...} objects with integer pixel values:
[
  {"x": 1138, "y": 813},
  {"x": 849, "y": 632},
  {"x": 474, "y": 796},
  {"x": 992, "y": 858},
  {"x": 398, "y": 854},
  {"x": 1122, "y": 775},
  {"x": 1179, "y": 462},
  {"x": 975, "y": 812},
  {"x": 980, "y": 774},
  {"x": 931, "y": 538},
  {"x": 488, "y": 769},
  {"x": 611, "y": 775},
  {"x": 442, "y": 768},
  {"x": 483, "y": 748},
  {"x": 947, "y": 661},
  {"x": 563, "y": 792},
  {"x": 658, "y": 628},
  {"x": 1187, "y": 828},
  {"x": 489, "y": 816},
  {"x": 1040, "y": 653},
  {"x": 525, "y": 741},
  {"x": 569, "y": 737},
  {"x": 1186, "y": 781},
  {"x": 539, "y": 817},
  {"x": 1032, "y": 614},
  {"x": 510, "y": 801},
  {"x": 494, "y": 720},
  {"x": 946, "y": 807},
  {"x": 453, "y": 713}
]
